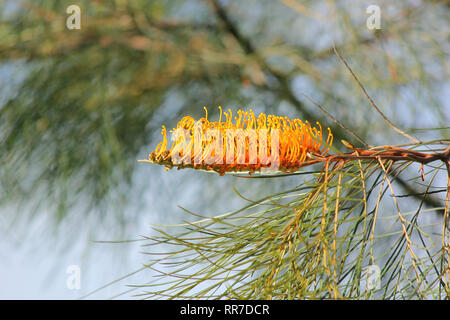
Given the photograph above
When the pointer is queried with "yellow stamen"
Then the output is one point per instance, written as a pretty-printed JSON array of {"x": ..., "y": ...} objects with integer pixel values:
[{"x": 296, "y": 139}]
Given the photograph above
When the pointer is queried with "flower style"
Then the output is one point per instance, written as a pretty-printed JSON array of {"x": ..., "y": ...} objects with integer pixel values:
[{"x": 244, "y": 143}]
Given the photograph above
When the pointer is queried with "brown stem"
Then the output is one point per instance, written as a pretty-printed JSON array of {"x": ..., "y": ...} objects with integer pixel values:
[{"x": 391, "y": 153}]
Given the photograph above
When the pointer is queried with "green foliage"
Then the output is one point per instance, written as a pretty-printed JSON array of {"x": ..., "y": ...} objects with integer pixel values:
[
  {"x": 78, "y": 107},
  {"x": 314, "y": 241}
]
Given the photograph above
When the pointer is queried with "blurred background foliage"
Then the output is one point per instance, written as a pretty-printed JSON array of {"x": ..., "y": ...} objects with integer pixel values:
[{"x": 79, "y": 107}]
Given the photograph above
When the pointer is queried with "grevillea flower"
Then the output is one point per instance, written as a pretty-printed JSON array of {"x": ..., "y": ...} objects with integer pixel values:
[{"x": 241, "y": 143}]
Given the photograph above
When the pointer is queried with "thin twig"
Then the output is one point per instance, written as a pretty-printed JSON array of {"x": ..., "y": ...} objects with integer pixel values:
[
  {"x": 405, "y": 230},
  {"x": 337, "y": 121},
  {"x": 446, "y": 239},
  {"x": 420, "y": 194},
  {"x": 371, "y": 101}
]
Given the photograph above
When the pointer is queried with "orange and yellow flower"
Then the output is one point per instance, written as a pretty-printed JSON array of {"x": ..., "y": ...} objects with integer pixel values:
[{"x": 241, "y": 143}]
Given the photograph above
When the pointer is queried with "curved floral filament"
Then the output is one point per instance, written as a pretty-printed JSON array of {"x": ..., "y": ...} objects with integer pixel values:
[{"x": 242, "y": 143}]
